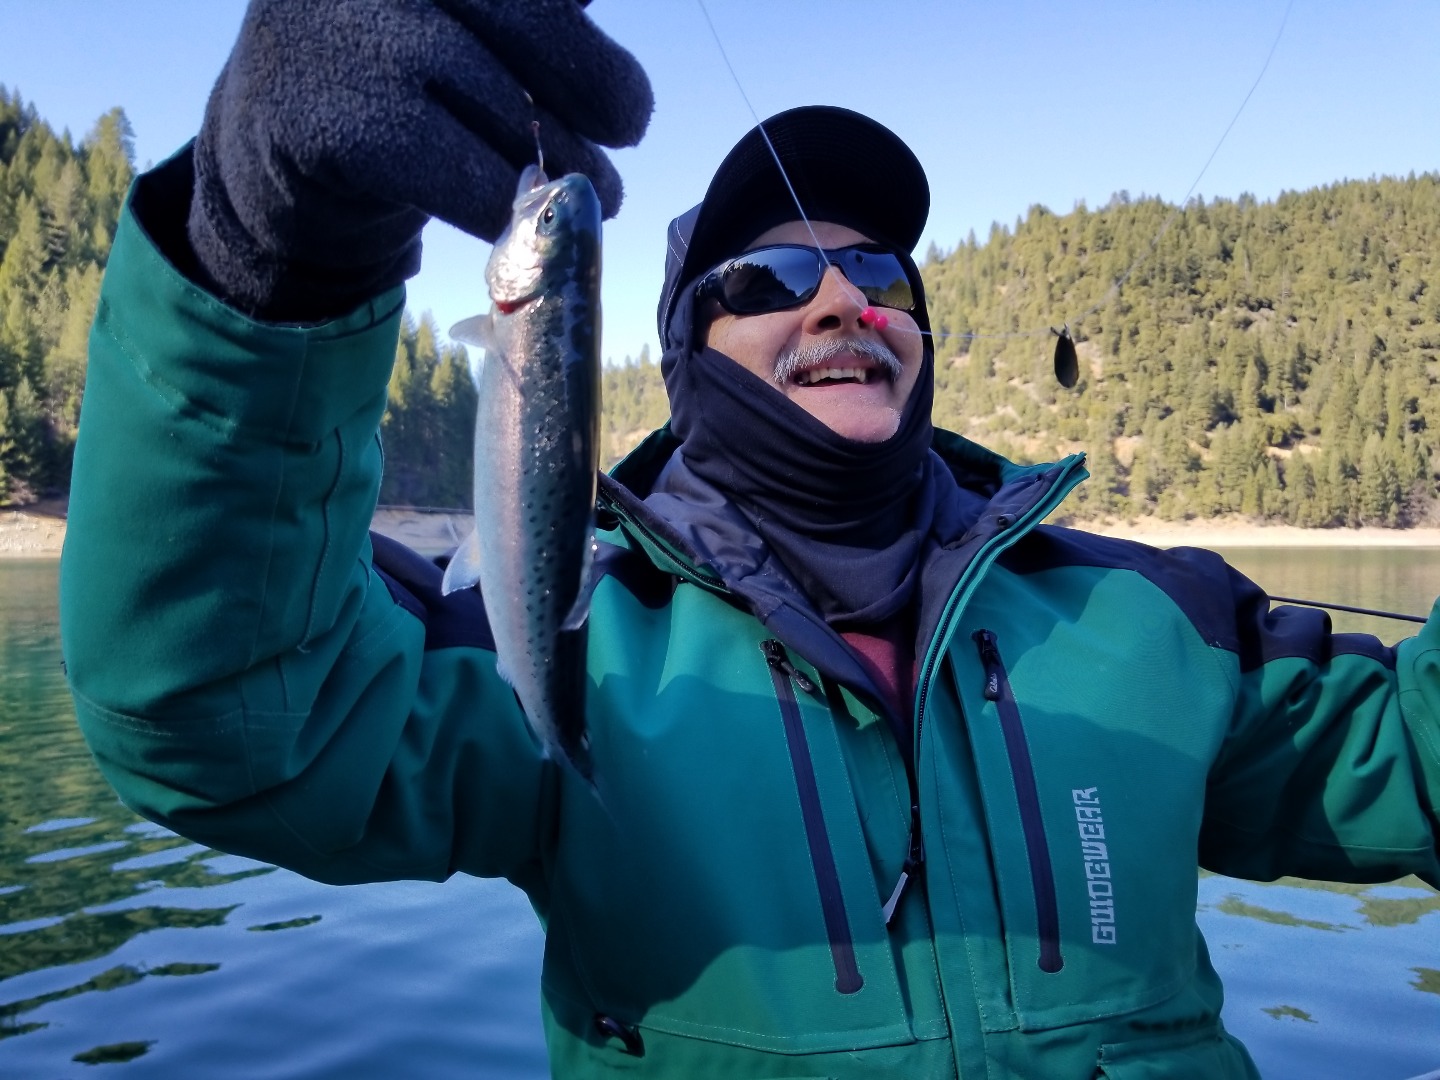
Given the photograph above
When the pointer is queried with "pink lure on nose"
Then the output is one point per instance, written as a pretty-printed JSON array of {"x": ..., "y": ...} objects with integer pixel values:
[{"x": 871, "y": 317}]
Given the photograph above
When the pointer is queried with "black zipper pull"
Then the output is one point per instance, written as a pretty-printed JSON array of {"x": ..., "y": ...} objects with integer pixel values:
[
  {"x": 777, "y": 658},
  {"x": 990, "y": 657},
  {"x": 917, "y": 845}
]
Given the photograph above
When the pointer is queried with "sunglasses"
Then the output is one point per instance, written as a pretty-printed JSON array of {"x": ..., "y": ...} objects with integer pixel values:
[{"x": 788, "y": 275}]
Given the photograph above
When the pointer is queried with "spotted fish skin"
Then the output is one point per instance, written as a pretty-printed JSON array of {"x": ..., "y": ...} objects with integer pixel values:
[{"x": 537, "y": 440}]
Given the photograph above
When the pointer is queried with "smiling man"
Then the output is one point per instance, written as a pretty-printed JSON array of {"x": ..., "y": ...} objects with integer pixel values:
[
  {"x": 801, "y": 377},
  {"x": 828, "y": 353},
  {"x": 900, "y": 782}
]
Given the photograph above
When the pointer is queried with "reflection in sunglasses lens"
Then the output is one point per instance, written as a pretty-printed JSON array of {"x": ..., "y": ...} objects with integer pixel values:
[{"x": 781, "y": 277}]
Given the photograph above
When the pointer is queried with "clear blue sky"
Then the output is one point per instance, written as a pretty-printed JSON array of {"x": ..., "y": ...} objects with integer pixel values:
[{"x": 1008, "y": 105}]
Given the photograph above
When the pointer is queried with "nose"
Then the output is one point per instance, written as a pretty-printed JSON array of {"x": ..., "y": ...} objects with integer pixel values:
[{"x": 836, "y": 304}]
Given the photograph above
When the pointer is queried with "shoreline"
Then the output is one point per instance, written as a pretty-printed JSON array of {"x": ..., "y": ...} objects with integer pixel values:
[
  {"x": 38, "y": 531},
  {"x": 1224, "y": 533},
  {"x": 35, "y": 532}
]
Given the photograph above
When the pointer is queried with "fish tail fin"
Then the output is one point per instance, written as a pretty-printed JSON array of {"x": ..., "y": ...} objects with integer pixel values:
[{"x": 464, "y": 568}]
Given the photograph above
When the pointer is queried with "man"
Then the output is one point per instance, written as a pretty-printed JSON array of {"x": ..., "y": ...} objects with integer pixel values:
[{"x": 899, "y": 782}]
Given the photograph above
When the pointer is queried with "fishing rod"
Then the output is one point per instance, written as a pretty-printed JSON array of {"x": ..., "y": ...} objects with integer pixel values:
[{"x": 1355, "y": 610}]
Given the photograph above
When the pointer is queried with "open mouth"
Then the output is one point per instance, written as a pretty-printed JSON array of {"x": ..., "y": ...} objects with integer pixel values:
[
  {"x": 838, "y": 361},
  {"x": 829, "y": 376}
]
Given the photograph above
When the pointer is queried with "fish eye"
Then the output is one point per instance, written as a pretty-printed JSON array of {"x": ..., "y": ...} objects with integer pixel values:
[{"x": 549, "y": 214}]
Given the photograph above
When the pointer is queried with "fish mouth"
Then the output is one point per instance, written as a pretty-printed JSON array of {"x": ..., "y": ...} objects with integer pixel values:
[{"x": 509, "y": 307}]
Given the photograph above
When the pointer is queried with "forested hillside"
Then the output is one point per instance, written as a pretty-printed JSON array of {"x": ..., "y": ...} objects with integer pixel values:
[
  {"x": 1277, "y": 360},
  {"x": 59, "y": 204},
  {"x": 1273, "y": 359},
  {"x": 58, "y": 207}
]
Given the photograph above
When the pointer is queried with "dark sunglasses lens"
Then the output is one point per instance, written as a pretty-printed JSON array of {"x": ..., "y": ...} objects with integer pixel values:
[
  {"x": 769, "y": 280},
  {"x": 879, "y": 275}
]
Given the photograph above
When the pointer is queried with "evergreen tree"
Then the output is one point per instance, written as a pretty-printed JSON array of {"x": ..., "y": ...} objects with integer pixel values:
[
  {"x": 7, "y": 449},
  {"x": 25, "y": 457},
  {"x": 22, "y": 279},
  {"x": 110, "y": 166}
]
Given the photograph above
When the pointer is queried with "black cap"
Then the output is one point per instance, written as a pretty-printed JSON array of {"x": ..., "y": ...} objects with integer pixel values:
[{"x": 844, "y": 167}]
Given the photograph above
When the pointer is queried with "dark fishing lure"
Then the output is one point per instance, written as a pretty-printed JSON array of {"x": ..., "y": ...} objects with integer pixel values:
[{"x": 1067, "y": 362}]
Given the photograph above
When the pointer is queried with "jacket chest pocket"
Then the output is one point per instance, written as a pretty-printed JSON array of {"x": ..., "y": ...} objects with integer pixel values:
[
  {"x": 1092, "y": 821},
  {"x": 725, "y": 892}
]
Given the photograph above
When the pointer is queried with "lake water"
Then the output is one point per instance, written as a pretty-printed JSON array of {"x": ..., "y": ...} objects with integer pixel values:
[{"x": 125, "y": 946}]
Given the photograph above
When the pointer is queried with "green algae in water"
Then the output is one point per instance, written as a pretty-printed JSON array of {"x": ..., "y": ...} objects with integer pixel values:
[
  {"x": 182, "y": 969},
  {"x": 114, "y": 1053},
  {"x": 1281, "y": 1012},
  {"x": 1233, "y": 905},
  {"x": 112, "y": 979},
  {"x": 1375, "y": 910},
  {"x": 84, "y": 936},
  {"x": 1428, "y": 980},
  {"x": 8, "y": 1030},
  {"x": 288, "y": 924}
]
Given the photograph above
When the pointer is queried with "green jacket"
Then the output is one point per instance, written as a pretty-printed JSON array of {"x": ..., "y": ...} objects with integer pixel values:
[{"x": 253, "y": 670}]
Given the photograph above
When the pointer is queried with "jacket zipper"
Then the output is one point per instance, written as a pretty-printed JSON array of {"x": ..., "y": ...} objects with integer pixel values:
[
  {"x": 1022, "y": 769},
  {"x": 914, "y": 861},
  {"x": 786, "y": 677},
  {"x": 680, "y": 568},
  {"x": 1054, "y": 495}
]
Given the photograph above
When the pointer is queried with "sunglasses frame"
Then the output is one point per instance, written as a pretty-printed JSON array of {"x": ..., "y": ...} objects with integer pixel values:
[{"x": 712, "y": 284}]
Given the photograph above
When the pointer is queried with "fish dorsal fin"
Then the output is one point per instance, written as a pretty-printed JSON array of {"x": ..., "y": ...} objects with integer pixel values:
[
  {"x": 580, "y": 610},
  {"x": 531, "y": 177}
]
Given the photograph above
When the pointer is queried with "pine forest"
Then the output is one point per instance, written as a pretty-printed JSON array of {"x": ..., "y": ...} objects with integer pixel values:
[{"x": 1276, "y": 360}]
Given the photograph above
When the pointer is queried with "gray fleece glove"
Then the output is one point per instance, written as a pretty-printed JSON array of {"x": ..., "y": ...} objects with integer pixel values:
[{"x": 339, "y": 127}]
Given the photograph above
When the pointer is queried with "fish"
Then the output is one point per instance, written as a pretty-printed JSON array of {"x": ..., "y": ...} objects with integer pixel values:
[{"x": 537, "y": 449}]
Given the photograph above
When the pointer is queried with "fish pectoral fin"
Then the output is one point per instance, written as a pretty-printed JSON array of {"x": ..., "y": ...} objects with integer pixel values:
[
  {"x": 580, "y": 610},
  {"x": 478, "y": 330},
  {"x": 464, "y": 568}
]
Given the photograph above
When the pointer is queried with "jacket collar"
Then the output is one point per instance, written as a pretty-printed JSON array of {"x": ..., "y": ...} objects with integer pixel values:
[
  {"x": 980, "y": 473},
  {"x": 975, "y": 467}
]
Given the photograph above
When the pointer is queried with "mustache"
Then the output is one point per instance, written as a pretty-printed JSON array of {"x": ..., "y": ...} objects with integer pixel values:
[{"x": 816, "y": 353}]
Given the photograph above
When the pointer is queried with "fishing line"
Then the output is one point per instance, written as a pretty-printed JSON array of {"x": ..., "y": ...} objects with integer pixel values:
[
  {"x": 1184, "y": 202},
  {"x": 763, "y": 133},
  {"x": 868, "y": 314},
  {"x": 1115, "y": 286}
]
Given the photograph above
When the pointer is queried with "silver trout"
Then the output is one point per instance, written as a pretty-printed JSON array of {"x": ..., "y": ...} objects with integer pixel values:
[{"x": 537, "y": 446}]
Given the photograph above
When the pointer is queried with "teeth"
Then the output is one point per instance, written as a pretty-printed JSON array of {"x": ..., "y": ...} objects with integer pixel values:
[{"x": 823, "y": 374}]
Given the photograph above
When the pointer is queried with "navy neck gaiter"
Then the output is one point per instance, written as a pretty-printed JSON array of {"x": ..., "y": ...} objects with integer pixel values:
[{"x": 847, "y": 519}]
